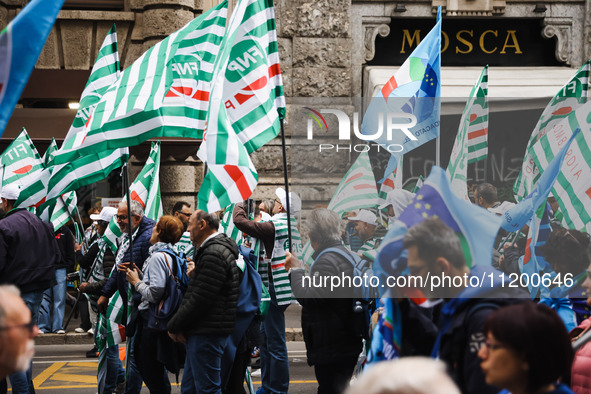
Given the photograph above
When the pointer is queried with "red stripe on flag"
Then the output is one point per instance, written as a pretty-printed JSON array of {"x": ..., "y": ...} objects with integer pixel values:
[
  {"x": 274, "y": 69},
  {"x": 588, "y": 192},
  {"x": 40, "y": 202},
  {"x": 527, "y": 256},
  {"x": 389, "y": 182},
  {"x": 23, "y": 170},
  {"x": 136, "y": 197},
  {"x": 360, "y": 187},
  {"x": 477, "y": 133},
  {"x": 389, "y": 87},
  {"x": 356, "y": 176},
  {"x": 201, "y": 95},
  {"x": 121, "y": 332},
  {"x": 239, "y": 179}
]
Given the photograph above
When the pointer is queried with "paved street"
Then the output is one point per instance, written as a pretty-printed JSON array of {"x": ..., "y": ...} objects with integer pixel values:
[{"x": 59, "y": 369}]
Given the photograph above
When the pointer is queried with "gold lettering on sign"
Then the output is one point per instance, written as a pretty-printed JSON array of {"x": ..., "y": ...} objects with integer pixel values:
[
  {"x": 406, "y": 36},
  {"x": 464, "y": 41},
  {"x": 496, "y": 34},
  {"x": 511, "y": 33},
  {"x": 445, "y": 41}
]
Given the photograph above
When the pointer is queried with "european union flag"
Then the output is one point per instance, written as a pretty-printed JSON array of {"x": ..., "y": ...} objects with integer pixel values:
[
  {"x": 415, "y": 89},
  {"x": 475, "y": 226}
]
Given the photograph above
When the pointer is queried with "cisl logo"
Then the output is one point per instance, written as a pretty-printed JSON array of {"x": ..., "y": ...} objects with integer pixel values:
[
  {"x": 247, "y": 65},
  {"x": 185, "y": 75}
]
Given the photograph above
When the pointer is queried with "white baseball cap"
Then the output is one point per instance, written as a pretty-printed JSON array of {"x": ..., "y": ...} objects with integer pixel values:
[
  {"x": 295, "y": 203},
  {"x": 365, "y": 216},
  {"x": 106, "y": 214},
  {"x": 10, "y": 192}
]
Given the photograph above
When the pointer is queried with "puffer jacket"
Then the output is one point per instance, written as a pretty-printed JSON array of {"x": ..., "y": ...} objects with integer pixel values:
[
  {"x": 209, "y": 304},
  {"x": 141, "y": 251},
  {"x": 581, "y": 368}
]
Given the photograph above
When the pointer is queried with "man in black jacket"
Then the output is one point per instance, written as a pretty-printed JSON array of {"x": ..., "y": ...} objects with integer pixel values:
[
  {"x": 206, "y": 317},
  {"x": 327, "y": 314},
  {"x": 28, "y": 256}
]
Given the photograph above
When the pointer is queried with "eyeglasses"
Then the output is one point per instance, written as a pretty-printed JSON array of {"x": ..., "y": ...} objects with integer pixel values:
[
  {"x": 488, "y": 346},
  {"x": 184, "y": 213},
  {"x": 278, "y": 201},
  {"x": 121, "y": 217},
  {"x": 29, "y": 326}
]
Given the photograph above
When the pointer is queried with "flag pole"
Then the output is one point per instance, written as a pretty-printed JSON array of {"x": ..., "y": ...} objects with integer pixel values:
[
  {"x": 438, "y": 150},
  {"x": 287, "y": 202},
  {"x": 126, "y": 188}
]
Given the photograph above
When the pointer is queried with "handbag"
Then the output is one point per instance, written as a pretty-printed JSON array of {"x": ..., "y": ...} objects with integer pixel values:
[{"x": 161, "y": 313}]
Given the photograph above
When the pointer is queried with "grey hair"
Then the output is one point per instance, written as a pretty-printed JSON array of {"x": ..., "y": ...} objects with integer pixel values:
[
  {"x": 211, "y": 219},
  {"x": 4, "y": 290},
  {"x": 136, "y": 207},
  {"x": 488, "y": 192},
  {"x": 324, "y": 225},
  {"x": 269, "y": 204},
  {"x": 414, "y": 375},
  {"x": 434, "y": 239}
]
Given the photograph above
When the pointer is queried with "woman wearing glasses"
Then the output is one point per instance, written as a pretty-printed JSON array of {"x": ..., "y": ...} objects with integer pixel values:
[{"x": 527, "y": 350}]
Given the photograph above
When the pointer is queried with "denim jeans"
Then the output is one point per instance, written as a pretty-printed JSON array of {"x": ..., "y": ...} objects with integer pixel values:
[
  {"x": 22, "y": 382},
  {"x": 56, "y": 293},
  {"x": 202, "y": 373},
  {"x": 115, "y": 371},
  {"x": 134, "y": 378},
  {"x": 274, "y": 360}
]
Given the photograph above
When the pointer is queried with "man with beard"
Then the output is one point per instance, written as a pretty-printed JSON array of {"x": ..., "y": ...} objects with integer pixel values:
[
  {"x": 17, "y": 330},
  {"x": 183, "y": 211}
]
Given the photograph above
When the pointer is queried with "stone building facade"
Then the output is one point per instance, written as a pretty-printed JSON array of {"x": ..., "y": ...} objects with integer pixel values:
[{"x": 327, "y": 49}]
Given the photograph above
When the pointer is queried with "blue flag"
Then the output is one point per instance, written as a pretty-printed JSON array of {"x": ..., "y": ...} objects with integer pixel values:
[
  {"x": 20, "y": 45},
  {"x": 476, "y": 227},
  {"x": 415, "y": 90},
  {"x": 518, "y": 216}
]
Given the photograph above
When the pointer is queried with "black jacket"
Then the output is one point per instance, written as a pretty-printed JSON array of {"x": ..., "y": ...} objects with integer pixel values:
[
  {"x": 28, "y": 251},
  {"x": 327, "y": 323},
  {"x": 65, "y": 242},
  {"x": 209, "y": 304},
  {"x": 86, "y": 261}
]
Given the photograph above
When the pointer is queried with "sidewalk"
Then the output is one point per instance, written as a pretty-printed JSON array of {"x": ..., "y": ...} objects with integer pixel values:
[{"x": 293, "y": 330}]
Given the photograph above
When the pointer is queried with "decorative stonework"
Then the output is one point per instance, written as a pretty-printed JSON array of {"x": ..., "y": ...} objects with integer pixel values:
[
  {"x": 561, "y": 28},
  {"x": 374, "y": 26},
  {"x": 470, "y": 8}
]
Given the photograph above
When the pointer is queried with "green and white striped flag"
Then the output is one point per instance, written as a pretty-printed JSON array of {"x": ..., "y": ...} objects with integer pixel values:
[
  {"x": 146, "y": 190},
  {"x": 389, "y": 184},
  {"x": 58, "y": 179},
  {"x": 228, "y": 224},
  {"x": 163, "y": 93},
  {"x": 357, "y": 188},
  {"x": 473, "y": 126},
  {"x": 20, "y": 163},
  {"x": 569, "y": 98},
  {"x": 246, "y": 105},
  {"x": 184, "y": 245},
  {"x": 572, "y": 187},
  {"x": 58, "y": 211},
  {"x": 49, "y": 153},
  {"x": 104, "y": 73}
]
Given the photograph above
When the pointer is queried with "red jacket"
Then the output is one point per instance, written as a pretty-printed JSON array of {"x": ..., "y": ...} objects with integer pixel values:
[{"x": 581, "y": 369}]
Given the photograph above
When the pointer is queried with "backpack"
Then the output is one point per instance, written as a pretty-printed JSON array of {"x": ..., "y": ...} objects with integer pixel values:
[
  {"x": 161, "y": 313},
  {"x": 251, "y": 258},
  {"x": 364, "y": 297},
  {"x": 180, "y": 268}
]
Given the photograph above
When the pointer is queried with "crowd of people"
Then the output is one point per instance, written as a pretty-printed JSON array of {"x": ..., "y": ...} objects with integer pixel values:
[{"x": 449, "y": 339}]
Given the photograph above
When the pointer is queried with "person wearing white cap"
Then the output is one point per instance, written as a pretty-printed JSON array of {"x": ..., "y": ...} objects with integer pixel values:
[
  {"x": 366, "y": 223},
  {"x": 396, "y": 201},
  {"x": 273, "y": 236},
  {"x": 28, "y": 255}
]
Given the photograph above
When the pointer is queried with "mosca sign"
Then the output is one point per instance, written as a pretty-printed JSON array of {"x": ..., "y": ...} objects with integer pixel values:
[{"x": 471, "y": 42}]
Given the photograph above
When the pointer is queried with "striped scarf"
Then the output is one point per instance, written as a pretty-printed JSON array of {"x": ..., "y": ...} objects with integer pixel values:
[{"x": 281, "y": 245}]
